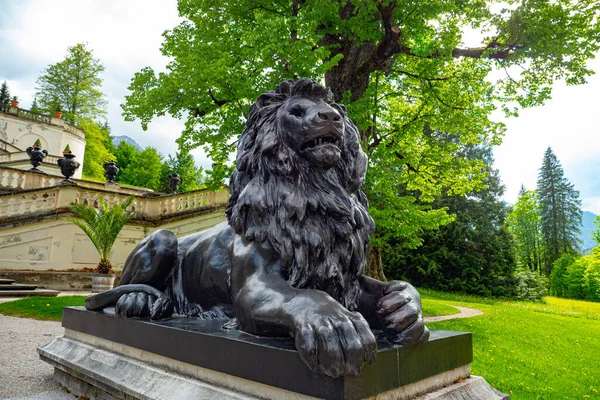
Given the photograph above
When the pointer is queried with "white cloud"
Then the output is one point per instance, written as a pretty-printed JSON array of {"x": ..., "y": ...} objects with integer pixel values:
[
  {"x": 125, "y": 35},
  {"x": 569, "y": 125}
]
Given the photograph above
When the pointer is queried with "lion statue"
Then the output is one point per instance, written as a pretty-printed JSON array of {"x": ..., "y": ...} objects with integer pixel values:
[{"x": 289, "y": 260}]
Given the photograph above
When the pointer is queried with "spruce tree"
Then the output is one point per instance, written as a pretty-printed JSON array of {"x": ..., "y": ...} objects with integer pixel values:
[
  {"x": 4, "y": 95},
  {"x": 560, "y": 211}
]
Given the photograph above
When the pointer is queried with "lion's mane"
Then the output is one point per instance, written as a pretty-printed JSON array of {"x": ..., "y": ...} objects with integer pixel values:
[{"x": 315, "y": 219}]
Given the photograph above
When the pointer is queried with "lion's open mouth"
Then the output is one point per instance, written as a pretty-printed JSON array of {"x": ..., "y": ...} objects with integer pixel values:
[{"x": 321, "y": 140}]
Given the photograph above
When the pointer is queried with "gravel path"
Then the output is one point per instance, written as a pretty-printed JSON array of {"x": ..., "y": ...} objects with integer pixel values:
[
  {"x": 23, "y": 376},
  {"x": 22, "y": 373},
  {"x": 465, "y": 312}
]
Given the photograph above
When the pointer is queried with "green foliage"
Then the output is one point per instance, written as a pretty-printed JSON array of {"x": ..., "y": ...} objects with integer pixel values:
[
  {"x": 473, "y": 254},
  {"x": 575, "y": 279},
  {"x": 102, "y": 225},
  {"x": 125, "y": 154},
  {"x": 533, "y": 351},
  {"x": 74, "y": 85},
  {"x": 592, "y": 277},
  {"x": 560, "y": 211},
  {"x": 144, "y": 170},
  {"x": 396, "y": 65},
  {"x": 531, "y": 286},
  {"x": 97, "y": 152},
  {"x": 183, "y": 163},
  {"x": 596, "y": 232},
  {"x": 42, "y": 308},
  {"x": 4, "y": 95},
  {"x": 525, "y": 225},
  {"x": 558, "y": 277}
]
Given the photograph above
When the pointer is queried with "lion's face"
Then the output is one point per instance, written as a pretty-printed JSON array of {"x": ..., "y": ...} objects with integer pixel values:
[{"x": 312, "y": 128}]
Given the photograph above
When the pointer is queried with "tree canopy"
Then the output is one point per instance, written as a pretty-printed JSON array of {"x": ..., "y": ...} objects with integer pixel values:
[
  {"x": 473, "y": 254},
  {"x": 73, "y": 85},
  {"x": 97, "y": 149},
  {"x": 402, "y": 68},
  {"x": 525, "y": 224}
]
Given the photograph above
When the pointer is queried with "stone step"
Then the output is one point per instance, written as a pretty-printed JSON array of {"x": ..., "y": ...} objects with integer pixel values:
[
  {"x": 18, "y": 286},
  {"x": 4, "y": 281},
  {"x": 25, "y": 293}
]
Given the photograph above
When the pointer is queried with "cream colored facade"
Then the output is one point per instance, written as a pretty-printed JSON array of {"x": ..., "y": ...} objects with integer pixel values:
[
  {"x": 34, "y": 234},
  {"x": 19, "y": 129}
]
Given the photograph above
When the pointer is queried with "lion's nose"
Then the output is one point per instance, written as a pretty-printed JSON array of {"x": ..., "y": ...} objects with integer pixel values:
[{"x": 330, "y": 115}]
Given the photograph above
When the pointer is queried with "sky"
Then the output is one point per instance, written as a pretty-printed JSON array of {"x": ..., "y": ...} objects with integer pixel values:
[{"x": 126, "y": 36}]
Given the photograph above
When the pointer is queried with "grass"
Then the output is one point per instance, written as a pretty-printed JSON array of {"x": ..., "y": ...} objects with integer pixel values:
[
  {"x": 42, "y": 308},
  {"x": 548, "y": 350},
  {"x": 540, "y": 351},
  {"x": 432, "y": 308}
]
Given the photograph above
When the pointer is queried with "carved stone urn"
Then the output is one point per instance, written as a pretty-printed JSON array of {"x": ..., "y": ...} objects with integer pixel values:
[
  {"x": 174, "y": 181},
  {"x": 68, "y": 166},
  {"x": 110, "y": 171},
  {"x": 36, "y": 156}
]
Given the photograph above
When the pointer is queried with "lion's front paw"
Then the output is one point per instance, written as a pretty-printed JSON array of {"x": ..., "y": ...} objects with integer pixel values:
[
  {"x": 336, "y": 343},
  {"x": 141, "y": 305},
  {"x": 399, "y": 311}
]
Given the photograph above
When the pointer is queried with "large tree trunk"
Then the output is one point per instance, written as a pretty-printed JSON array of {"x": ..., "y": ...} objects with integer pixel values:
[{"x": 374, "y": 267}]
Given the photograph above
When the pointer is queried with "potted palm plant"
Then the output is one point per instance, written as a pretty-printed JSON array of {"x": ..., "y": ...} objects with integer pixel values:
[
  {"x": 14, "y": 102},
  {"x": 102, "y": 226}
]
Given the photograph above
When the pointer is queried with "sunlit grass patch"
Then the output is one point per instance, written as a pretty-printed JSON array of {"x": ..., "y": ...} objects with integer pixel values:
[
  {"x": 433, "y": 308},
  {"x": 43, "y": 308},
  {"x": 544, "y": 350}
]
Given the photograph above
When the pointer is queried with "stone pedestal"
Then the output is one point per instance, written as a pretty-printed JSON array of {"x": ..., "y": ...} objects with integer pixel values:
[{"x": 105, "y": 357}]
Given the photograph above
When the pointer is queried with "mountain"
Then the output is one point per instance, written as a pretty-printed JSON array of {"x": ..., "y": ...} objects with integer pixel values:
[
  {"x": 587, "y": 227},
  {"x": 118, "y": 139}
]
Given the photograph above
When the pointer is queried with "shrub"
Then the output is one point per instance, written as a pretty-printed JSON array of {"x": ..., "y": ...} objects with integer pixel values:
[
  {"x": 592, "y": 277},
  {"x": 575, "y": 279},
  {"x": 558, "y": 277},
  {"x": 530, "y": 286}
]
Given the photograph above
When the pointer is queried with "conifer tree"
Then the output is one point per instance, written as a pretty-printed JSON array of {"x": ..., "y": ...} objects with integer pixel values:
[
  {"x": 560, "y": 210},
  {"x": 4, "y": 95}
]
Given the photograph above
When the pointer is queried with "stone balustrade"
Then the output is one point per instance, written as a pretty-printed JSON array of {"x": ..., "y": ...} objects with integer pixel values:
[
  {"x": 45, "y": 119},
  {"x": 22, "y": 155},
  {"x": 58, "y": 199},
  {"x": 12, "y": 179},
  {"x": 28, "y": 203}
]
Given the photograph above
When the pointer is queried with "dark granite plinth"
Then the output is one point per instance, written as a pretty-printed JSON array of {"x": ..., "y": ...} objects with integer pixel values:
[{"x": 274, "y": 361}]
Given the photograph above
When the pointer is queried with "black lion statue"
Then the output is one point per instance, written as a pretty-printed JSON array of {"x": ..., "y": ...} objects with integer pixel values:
[{"x": 289, "y": 260}]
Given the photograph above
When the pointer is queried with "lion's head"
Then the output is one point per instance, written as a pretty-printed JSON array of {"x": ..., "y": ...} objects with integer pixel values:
[{"x": 296, "y": 185}]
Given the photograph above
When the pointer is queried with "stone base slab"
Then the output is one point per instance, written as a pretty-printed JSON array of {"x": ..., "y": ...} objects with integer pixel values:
[{"x": 99, "y": 369}]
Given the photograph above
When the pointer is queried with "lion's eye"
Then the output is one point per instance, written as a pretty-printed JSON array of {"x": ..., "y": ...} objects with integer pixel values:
[{"x": 297, "y": 112}]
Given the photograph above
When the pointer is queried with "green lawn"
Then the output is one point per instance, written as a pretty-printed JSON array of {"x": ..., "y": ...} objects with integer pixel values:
[
  {"x": 44, "y": 308},
  {"x": 547, "y": 350},
  {"x": 432, "y": 308}
]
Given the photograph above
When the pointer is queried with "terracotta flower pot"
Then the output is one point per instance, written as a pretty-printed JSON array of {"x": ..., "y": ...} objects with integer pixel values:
[
  {"x": 14, "y": 103},
  {"x": 102, "y": 282},
  {"x": 58, "y": 114}
]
